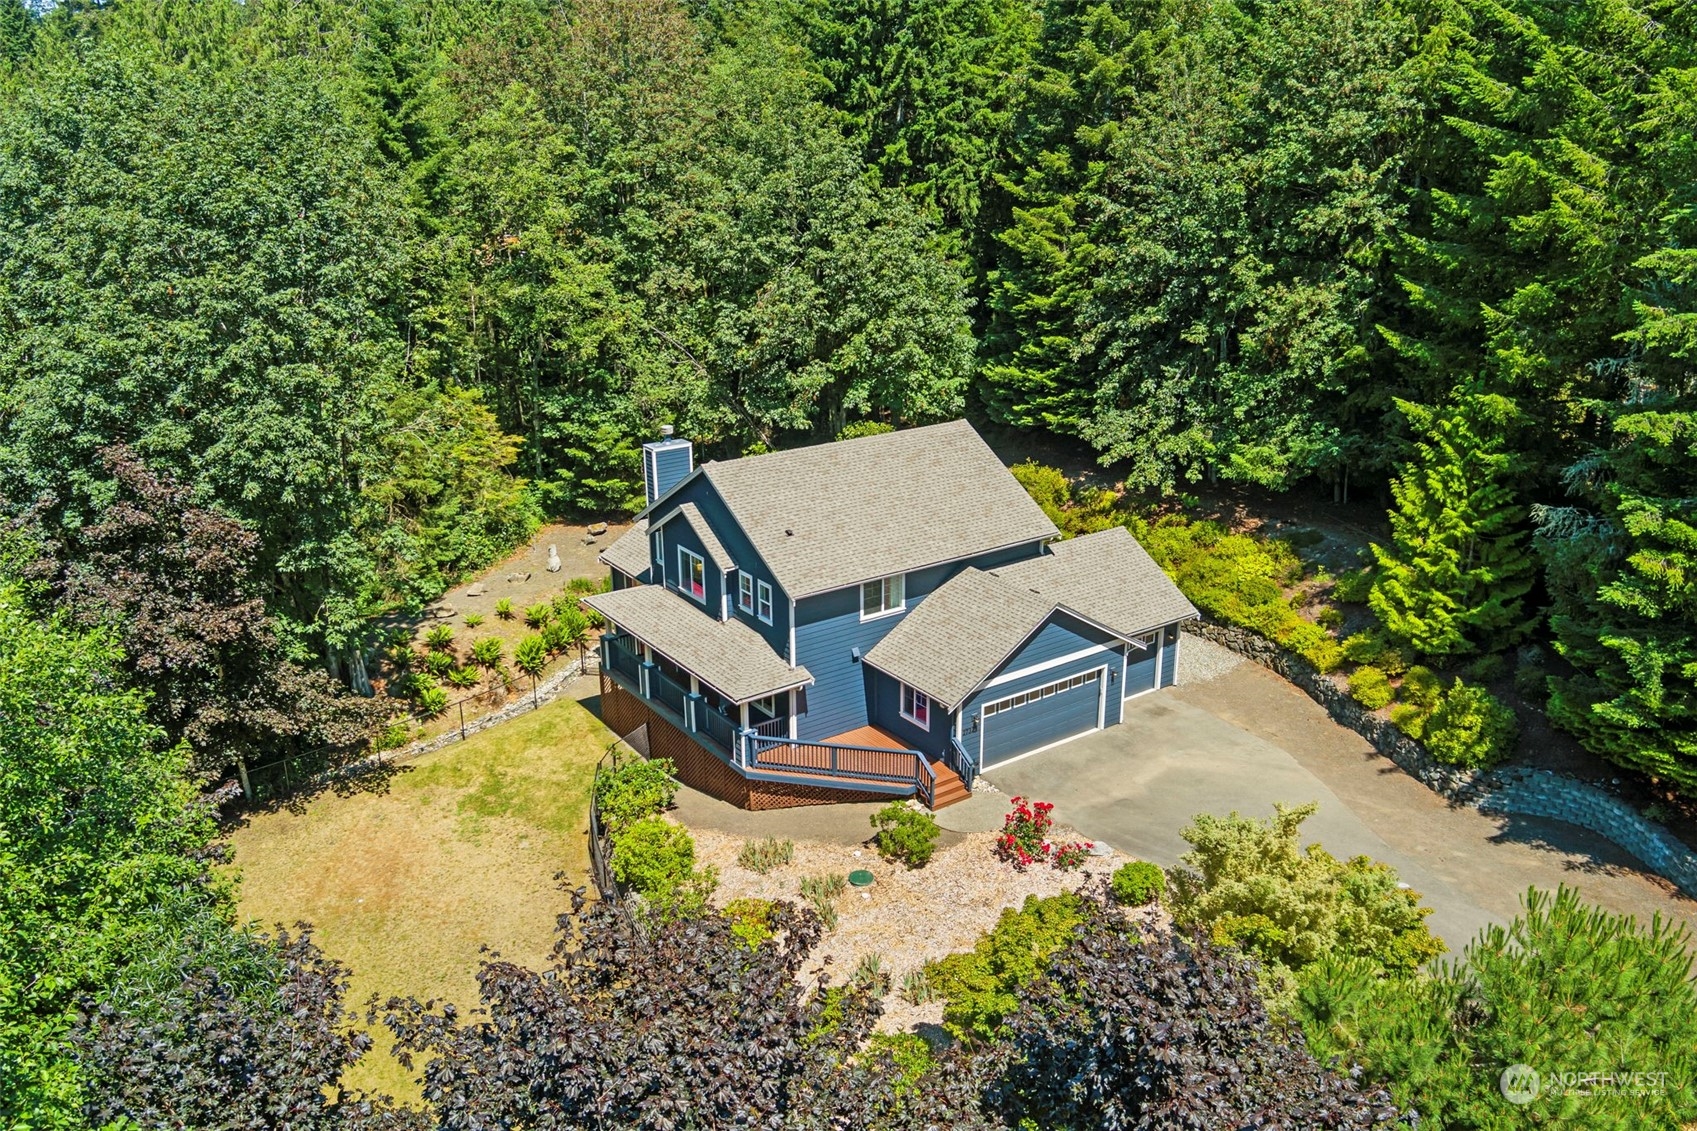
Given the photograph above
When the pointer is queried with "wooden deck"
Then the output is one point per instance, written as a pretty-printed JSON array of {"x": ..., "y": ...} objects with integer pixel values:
[
  {"x": 950, "y": 788},
  {"x": 868, "y": 736}
]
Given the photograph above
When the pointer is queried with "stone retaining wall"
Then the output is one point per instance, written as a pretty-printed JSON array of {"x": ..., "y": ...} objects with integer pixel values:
[{"x": 1516, "y": 790}]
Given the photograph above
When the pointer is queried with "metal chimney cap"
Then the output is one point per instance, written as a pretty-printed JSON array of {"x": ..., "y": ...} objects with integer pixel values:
[{"x": 665, "y": 431}]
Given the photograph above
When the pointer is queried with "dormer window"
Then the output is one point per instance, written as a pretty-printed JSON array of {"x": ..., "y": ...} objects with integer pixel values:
[
  {"x": 692, "y": 574},
  {"x": 745, "y": 591},
  {"x": 764, "y": 602},
  {"x": 882, "y": 597}
]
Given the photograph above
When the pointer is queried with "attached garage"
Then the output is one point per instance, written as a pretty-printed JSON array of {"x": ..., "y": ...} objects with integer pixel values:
[
  {"x": 1041, "y": 716},
  {"x": 1029, "y": 655}
]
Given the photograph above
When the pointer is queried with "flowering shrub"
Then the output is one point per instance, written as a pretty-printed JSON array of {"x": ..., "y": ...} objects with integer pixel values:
[
  {"x": 1025, "y": 833},
  {"x": 1066, "y": 857},
  {"x": 1025, "y": 838}
]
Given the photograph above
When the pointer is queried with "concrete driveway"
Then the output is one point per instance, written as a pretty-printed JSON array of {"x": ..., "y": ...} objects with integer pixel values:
[
  {"x": 1136, "y": 785},
  {"x": 1234, "y": 736}
]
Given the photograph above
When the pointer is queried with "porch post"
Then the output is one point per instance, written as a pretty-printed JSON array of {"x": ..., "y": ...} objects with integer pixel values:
[
  {"x": 692, "y": 704},
  {"x": 646, "y": 672},
  {"x": 745, "y": 736}
]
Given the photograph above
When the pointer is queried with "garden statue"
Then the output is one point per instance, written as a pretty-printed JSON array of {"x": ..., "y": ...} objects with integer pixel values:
[{"x": 553, "y": 559}]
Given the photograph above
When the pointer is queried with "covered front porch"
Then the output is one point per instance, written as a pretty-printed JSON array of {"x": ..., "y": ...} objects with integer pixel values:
[{"x": 753, "y": 736}]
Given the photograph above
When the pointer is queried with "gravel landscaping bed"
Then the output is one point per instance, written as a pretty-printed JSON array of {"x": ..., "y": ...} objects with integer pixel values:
[
  {"x": 1201, "y": 660},
  {"x": 905, "y": 918}
]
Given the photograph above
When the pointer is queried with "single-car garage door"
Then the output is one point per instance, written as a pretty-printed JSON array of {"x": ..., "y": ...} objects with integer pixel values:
[{"x": 1029, "y": 720}]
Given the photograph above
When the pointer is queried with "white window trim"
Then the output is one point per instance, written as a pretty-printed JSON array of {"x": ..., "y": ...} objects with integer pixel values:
[
  {"x": 901, "y": 706},
  {"x": 860, "y": 597},
  {"x": 763, "y": 596},
  {"x": 685, "y": 573},
  {"x": 745, "y": 591}
]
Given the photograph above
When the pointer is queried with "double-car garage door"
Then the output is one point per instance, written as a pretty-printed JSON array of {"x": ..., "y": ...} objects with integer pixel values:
[{"x": 1032, "y": 719}]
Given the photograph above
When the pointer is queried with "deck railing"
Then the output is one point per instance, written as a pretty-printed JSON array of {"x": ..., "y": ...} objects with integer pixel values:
[
  {"x": 718, "y": 728},
  {"x": 669, "y": 691},
  {"x": 622, "y": 657},
  {"x": 926, "y": 780},
  {"x": 962, "y": 763},
  {"x": 773, "y": 728},
  {"x": 863, "y": 763}
]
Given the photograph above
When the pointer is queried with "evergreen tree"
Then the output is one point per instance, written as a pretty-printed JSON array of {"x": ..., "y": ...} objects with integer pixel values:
[
  {"x": 1456, "y": 577},
  {"x": 17, "y": 31},
  {"x": 925, "y": 86},
  {"x": 1088, "y": 61},
  {"x": 1622, "y": 563},
  {"x": 1535, "y": 204}
]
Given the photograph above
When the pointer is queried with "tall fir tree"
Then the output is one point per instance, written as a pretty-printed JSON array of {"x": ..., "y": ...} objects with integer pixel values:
[
  {"x": 1623, "y": 562},
  {"x": 1456, "y": 577}
]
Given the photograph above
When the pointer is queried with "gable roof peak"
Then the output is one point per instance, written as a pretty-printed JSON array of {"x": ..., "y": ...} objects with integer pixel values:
[{"x": 830, "y": 515}]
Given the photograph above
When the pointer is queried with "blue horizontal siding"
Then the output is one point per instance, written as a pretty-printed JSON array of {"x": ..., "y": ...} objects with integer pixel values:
[
  {"x": 1169, "y": 656},
  {"x": 884, "y": 695},
  {"x": 665, "y": 463},
  {"x": 828, "y": 628},
  {"x": 1140, "y": 667},
  {"x": 676, "y": 534},
  {"x": 736, "y": 543}
]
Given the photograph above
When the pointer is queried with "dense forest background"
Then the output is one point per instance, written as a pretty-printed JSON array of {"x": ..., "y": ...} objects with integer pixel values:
[
  {"x": 309, "y": 307},
  {"x": 381, "y": 283}
]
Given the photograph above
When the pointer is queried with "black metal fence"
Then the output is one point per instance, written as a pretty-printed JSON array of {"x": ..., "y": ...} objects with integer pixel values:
[{"x": 634, "y": 744}]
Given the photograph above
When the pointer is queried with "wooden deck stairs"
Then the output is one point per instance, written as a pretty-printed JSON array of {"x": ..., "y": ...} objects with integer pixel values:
[{"x": 950, "y": 788}]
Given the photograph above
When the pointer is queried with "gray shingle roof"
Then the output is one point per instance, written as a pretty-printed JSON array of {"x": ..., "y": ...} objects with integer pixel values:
[
  {"x": 835, "y": 514},
  {"x": 961, "y": 633},
  {"x": 1107, "y": 577},
  {"x": 629, "y": 552},
  {"x": 956, "y": 636},
  {"x": 727, "y": 655},
  {"x": 691, "y": 514}
]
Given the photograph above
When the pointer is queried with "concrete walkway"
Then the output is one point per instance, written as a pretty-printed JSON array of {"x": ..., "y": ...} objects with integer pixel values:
[{"x": 1245, "y": 739}]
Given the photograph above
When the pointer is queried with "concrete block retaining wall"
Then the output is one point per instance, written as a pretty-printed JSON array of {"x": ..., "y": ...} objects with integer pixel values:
[{"x": 1516, "y": 790}]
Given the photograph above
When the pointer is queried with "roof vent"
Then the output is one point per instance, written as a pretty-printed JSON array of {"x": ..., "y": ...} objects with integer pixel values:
[
  {"x": 789, "y": 534},
  {"x": 665, "y": 431}
]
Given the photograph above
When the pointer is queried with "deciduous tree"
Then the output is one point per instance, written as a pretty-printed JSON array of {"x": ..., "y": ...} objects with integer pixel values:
[{"x": 178, "y": 585}]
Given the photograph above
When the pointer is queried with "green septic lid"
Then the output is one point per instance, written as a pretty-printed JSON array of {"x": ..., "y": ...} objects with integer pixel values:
[{"x": 860, "y": 878}]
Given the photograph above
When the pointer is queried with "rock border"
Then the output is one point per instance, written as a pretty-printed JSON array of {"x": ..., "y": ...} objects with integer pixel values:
[
  {"x": 1516, "y": 790},
  {"x": 546, "y": 692}
]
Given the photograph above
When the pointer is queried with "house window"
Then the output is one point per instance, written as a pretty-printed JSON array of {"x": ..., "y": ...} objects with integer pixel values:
[
  {"x": 916, "y": 707},
  {"x": 766, "y": 708},
  {"x": 765, "y": 602},
  {"x": 692, "y": 575},
  {"x": 745, "y": 591},
  {"x": 882, "y": 597}
]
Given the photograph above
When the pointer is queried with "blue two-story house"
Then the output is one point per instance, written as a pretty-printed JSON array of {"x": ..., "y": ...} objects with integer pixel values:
[{"x": 882, "y": 616}]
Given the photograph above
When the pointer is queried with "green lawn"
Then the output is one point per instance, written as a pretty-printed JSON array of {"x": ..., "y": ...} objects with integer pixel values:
[{"x": 404, "y": 882}]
